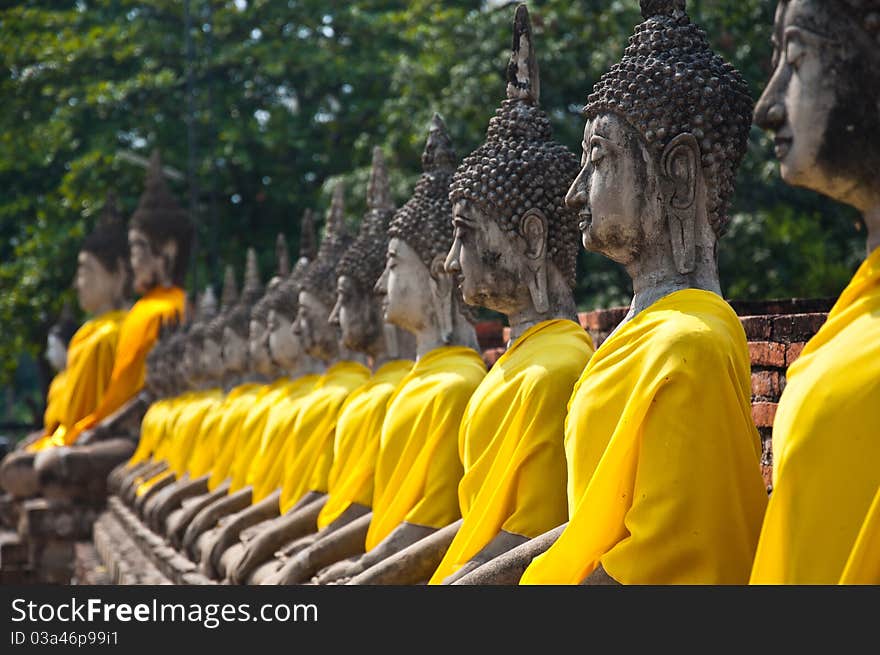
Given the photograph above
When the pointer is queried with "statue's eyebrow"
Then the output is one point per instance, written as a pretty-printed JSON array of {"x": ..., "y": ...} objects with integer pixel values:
[{"x": 463, "y": 221}]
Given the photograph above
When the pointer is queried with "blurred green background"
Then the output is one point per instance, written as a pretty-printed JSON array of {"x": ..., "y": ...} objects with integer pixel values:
[{"x": 288, "y": 97}]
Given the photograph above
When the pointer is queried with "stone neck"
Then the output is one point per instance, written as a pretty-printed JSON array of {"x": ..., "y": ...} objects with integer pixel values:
[
  {"x": 109, "y": 306},
  {"x": 561, "y": 307},
  {"x": 430, "y": 338},
  {"x": 349, "y": 355},
  {"x": 396, "y": 344},
  {"x": 655, "y": 276},
  {"x": 872, "y": 223},
  {"x": 309, "y": 365}
]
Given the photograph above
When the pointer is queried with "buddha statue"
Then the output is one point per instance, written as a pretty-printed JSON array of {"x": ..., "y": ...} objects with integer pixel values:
[
  {"x": 101, "y": 283},
  {"x": 514, "y": 251},
  {"x": 159, "y": 239},
  {"x": 822, "y": 105},
  {"x": 347, "y": 472},
  {"x": 165, "y": 374},
  {"x": 306, "y": 472},
  {"x": 159, "y": 383},
  {"x": 314, "y": 426},
  {"x": 417, "y": 468},
  {"x": 194, "y": 429},
  {"x": 666, "y": 129},
  {"x": 216, "y": 455}
]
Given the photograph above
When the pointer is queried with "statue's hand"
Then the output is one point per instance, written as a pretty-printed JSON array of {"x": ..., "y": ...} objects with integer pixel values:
[
  {"x": 347, "y": 568},
  {"x": 256, "y": 552},
  {"x": 53, "y": 461},
  {"x": 92, "y": 436}
]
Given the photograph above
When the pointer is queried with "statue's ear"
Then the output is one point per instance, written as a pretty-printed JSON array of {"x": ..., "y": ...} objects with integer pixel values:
[
  {"x": 169, "y": 256},
  {"x": 439, "y": 277},
  {"x": 533, "y": 228},
  {"x": 441, "y": 287},
  {"x": 680, "y": 164}
]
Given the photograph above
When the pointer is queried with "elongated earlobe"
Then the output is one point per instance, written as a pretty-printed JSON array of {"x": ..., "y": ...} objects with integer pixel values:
[
  {"x": 441, "y": 291},
  {"x": 679, "y": 165},
  {"x": 533, "y": 228}
]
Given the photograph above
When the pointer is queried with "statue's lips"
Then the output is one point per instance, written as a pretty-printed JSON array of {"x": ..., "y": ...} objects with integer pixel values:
[
  {"x": 782, "y": 146},
  {"x": 586, "y": 221}
]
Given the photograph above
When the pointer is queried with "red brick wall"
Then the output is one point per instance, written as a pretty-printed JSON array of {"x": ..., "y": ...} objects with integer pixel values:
[{"x": 776, "y": 330}]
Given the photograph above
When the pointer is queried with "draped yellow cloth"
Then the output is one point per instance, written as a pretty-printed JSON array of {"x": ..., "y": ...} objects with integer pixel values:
[
  {"x": 664, "y": 477},
  {"x": 356, "y": 444},
  {"x": 54, "y": 412},
  {"x": 264, "y": 472},
  {"x": 215, "y": 425},
  {"x": 309, "y": 447},
  {"x": 511, "y": 441},
  {"x": 189, "y": 427},
  {"x": 418, "y": 467},
  {"x": 90, "y": 357},
  {"x": 863, "y": 566},
  {"x": 239, "y": 401},
  {"x": 250, "y": 431},
  {"x": 182, "y": 424},
  {"x": 152, "y": 430},
  {"x": 137, "y": 334},
  {"x": 826, "y": 444},
  {"x": 52, "y": 415}
]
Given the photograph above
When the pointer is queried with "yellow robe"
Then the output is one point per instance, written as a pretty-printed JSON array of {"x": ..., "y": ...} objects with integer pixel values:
[
  {"x": 310, "y": 444},
  {"x": 863, "y": 566},
  {"x": 357, "y": 441},
  {"x": 264, "y": 472},
  {"x": 826, "y": 444},
  {"x": 189, "y": 427},
  {"x": 181, "y": 432},
  {"x": 250, "y": 431},
  {"x": 90, "y": 356},
  {"x": 663, "y": 458},
  {"x": 418, "y": 467},
  {"x": 151, "y": 430},
  {"x": 239, "y": 401},
  {"x": 137, "y": 334},
  {"x": 511, "y": 441},
  {"x": 209, "y": 444},
  {"x": 53, "y": 414}
]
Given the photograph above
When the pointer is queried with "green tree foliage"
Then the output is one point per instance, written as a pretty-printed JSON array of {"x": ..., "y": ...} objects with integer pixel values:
[{"x": 290, "y": 97}]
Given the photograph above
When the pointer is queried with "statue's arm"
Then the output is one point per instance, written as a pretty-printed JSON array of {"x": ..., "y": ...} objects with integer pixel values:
[
  {"x": 507, "y": 569},
  {"x": 344, "y": 542},
  {"x": 409, "y": 555},
  {"x": 502, "y": 543},
  {"x": 599, "y": 576},
  {"x": 282, "y": 530}
]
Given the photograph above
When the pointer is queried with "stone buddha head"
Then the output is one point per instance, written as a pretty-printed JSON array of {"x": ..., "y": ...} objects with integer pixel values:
[
  {"x": 317, "y": 295},
  {"x": 282, "y": 343},
  {"x": 823, "y": 100},
  {"x": 357, "y": 311},
  {"x": 199, "y": 368},
  {"x": 416, "y": 290},
  {"x": 102, "y": 272},
  {"x": 160, "y": 234},
  {"x": 192, "y": 362},
  {"x": 666, "y": 130},
  {"x": 236, "y": 326},
  {"x": 515, "y": 243},
  {"x": 212, "y": 345}
]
